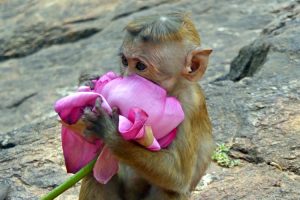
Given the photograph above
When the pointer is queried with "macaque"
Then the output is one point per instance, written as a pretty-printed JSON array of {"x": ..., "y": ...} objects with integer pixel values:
[{"x": 164, "y": 49}]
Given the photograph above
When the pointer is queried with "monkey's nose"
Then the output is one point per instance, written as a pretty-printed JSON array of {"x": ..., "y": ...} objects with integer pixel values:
[{"x": 128, "y": 73}]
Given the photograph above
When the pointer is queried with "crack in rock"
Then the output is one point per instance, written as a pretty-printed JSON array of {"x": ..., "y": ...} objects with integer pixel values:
[
  {"x": 143, "y": 8},
  {"x": 249, "y": 155},
  {"x": 294, "y": 169},
  {"x": 290, "y": 168},
  {"x": 7, "y": 146},
  {"x": 21, "y": 101},
  {"x": 32, "y": 39},
  {"x": 126, "y": 14},
  {"x": 81, "y": 20}
]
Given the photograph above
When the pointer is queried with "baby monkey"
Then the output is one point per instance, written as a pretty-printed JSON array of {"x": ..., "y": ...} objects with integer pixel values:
[{"x": 165, "y": 50}]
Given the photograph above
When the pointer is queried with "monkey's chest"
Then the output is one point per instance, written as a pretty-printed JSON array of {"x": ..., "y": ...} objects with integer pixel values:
[{"x": 134, "y": 187}]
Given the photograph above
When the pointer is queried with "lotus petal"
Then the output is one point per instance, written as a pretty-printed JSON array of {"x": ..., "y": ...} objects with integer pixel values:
[
  {"x": 106, "y": 166},
  {"x": 71, "y": 107},
  {"x": 77, "y": 150},
  {"x": 131, "y": 126}
]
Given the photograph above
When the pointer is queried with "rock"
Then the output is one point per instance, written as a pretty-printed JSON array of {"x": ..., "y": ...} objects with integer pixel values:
[
  {"x": 44, "y": 46},
  {"x": 244, "y": 149},
  {"x": 3, "y": 191},
  {"x": 246, "y": 182},
  {"x": 249, "y": 60},
  {"x": 34, "y": 164}
]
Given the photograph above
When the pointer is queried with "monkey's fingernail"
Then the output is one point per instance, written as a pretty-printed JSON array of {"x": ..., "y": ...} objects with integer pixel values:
[
  {"x": 115, "y": 115},
  {"x": 115, "y": 110},
  {"x": 87, "y": 109},
  {"x": 88, "y": 133},
  {"x": 91, "y": 85},
  {"x": 98, "y": 104},
  {"x": 99, "y": 101}
]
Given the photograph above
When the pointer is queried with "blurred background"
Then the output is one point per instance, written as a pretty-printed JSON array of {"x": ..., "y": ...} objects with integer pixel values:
[{"x": 252, "y": 87}]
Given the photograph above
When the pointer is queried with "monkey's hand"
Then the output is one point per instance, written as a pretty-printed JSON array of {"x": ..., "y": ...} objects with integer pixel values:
[
  {"x": 99, "y": 123},
  {"x": 87, "y": 80}
]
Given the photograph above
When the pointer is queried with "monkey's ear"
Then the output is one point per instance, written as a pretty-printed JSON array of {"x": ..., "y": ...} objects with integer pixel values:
[{"x": 196, "y": 63}]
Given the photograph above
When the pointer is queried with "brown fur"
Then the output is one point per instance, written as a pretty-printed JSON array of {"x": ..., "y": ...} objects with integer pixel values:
[
  {"x": 157, "y": 28},
  {"x": 170, "y": 173}
]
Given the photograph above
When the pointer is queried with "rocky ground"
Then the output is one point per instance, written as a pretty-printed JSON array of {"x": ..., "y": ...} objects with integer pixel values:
[{"x": 252, "y": 87}]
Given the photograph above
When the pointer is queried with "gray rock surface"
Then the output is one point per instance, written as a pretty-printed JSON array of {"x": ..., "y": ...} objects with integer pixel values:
[{"x": 254, "y": 105}]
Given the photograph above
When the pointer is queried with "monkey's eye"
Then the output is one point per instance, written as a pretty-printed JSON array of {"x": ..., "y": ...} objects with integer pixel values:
[
  {"x": 124, "y": 61},
  {"x": 140, "y": 66}
]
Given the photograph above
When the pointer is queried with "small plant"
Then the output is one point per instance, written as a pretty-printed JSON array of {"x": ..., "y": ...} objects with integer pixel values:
[{"x": 221, "y": 156}]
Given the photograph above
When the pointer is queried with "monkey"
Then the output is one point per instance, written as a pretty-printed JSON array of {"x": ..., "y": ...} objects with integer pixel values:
[{"x": 164, "y": 49}]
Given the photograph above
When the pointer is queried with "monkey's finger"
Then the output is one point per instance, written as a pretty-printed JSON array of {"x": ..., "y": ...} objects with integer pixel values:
[
  {"x": 92, "y": 134},
  {"x": 89, "y": 117},
  {"x": 115, "y": 110},
  {"x": 115, "y": 115},
  {"x": 90, "y": 84},
  {"x": 89, "y": 133},
  {"x": 92, "y": 118},
  {"x": 87, "y": 109},
  {"x": 98, "y": 108},
  {"x": 87, "y": 80},
  {"x": 88, "y": 123},
  {"x": 98, "y": 102},
  {"x": 94, "y": 126}
]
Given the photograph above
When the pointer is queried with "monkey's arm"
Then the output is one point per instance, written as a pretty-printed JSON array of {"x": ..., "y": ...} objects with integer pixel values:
[
  {"x": 170, "y": 168},
  {"x": 167, "y": 168}
]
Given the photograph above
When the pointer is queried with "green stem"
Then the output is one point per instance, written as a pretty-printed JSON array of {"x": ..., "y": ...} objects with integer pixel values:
[{"x": 70, "y": 182}]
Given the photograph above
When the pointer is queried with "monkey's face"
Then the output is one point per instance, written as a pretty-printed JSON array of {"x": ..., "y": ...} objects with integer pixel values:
[{"x": 159, "y": 63}]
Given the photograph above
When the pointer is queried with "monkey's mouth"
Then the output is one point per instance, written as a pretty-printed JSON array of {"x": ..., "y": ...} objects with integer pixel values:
[
  {"x": 156, "y": 83},
  {"x": 153, "y": 82}
]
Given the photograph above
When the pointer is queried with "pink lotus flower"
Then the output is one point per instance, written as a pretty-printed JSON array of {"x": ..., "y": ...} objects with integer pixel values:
[{"x": 147, "y": 116}]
